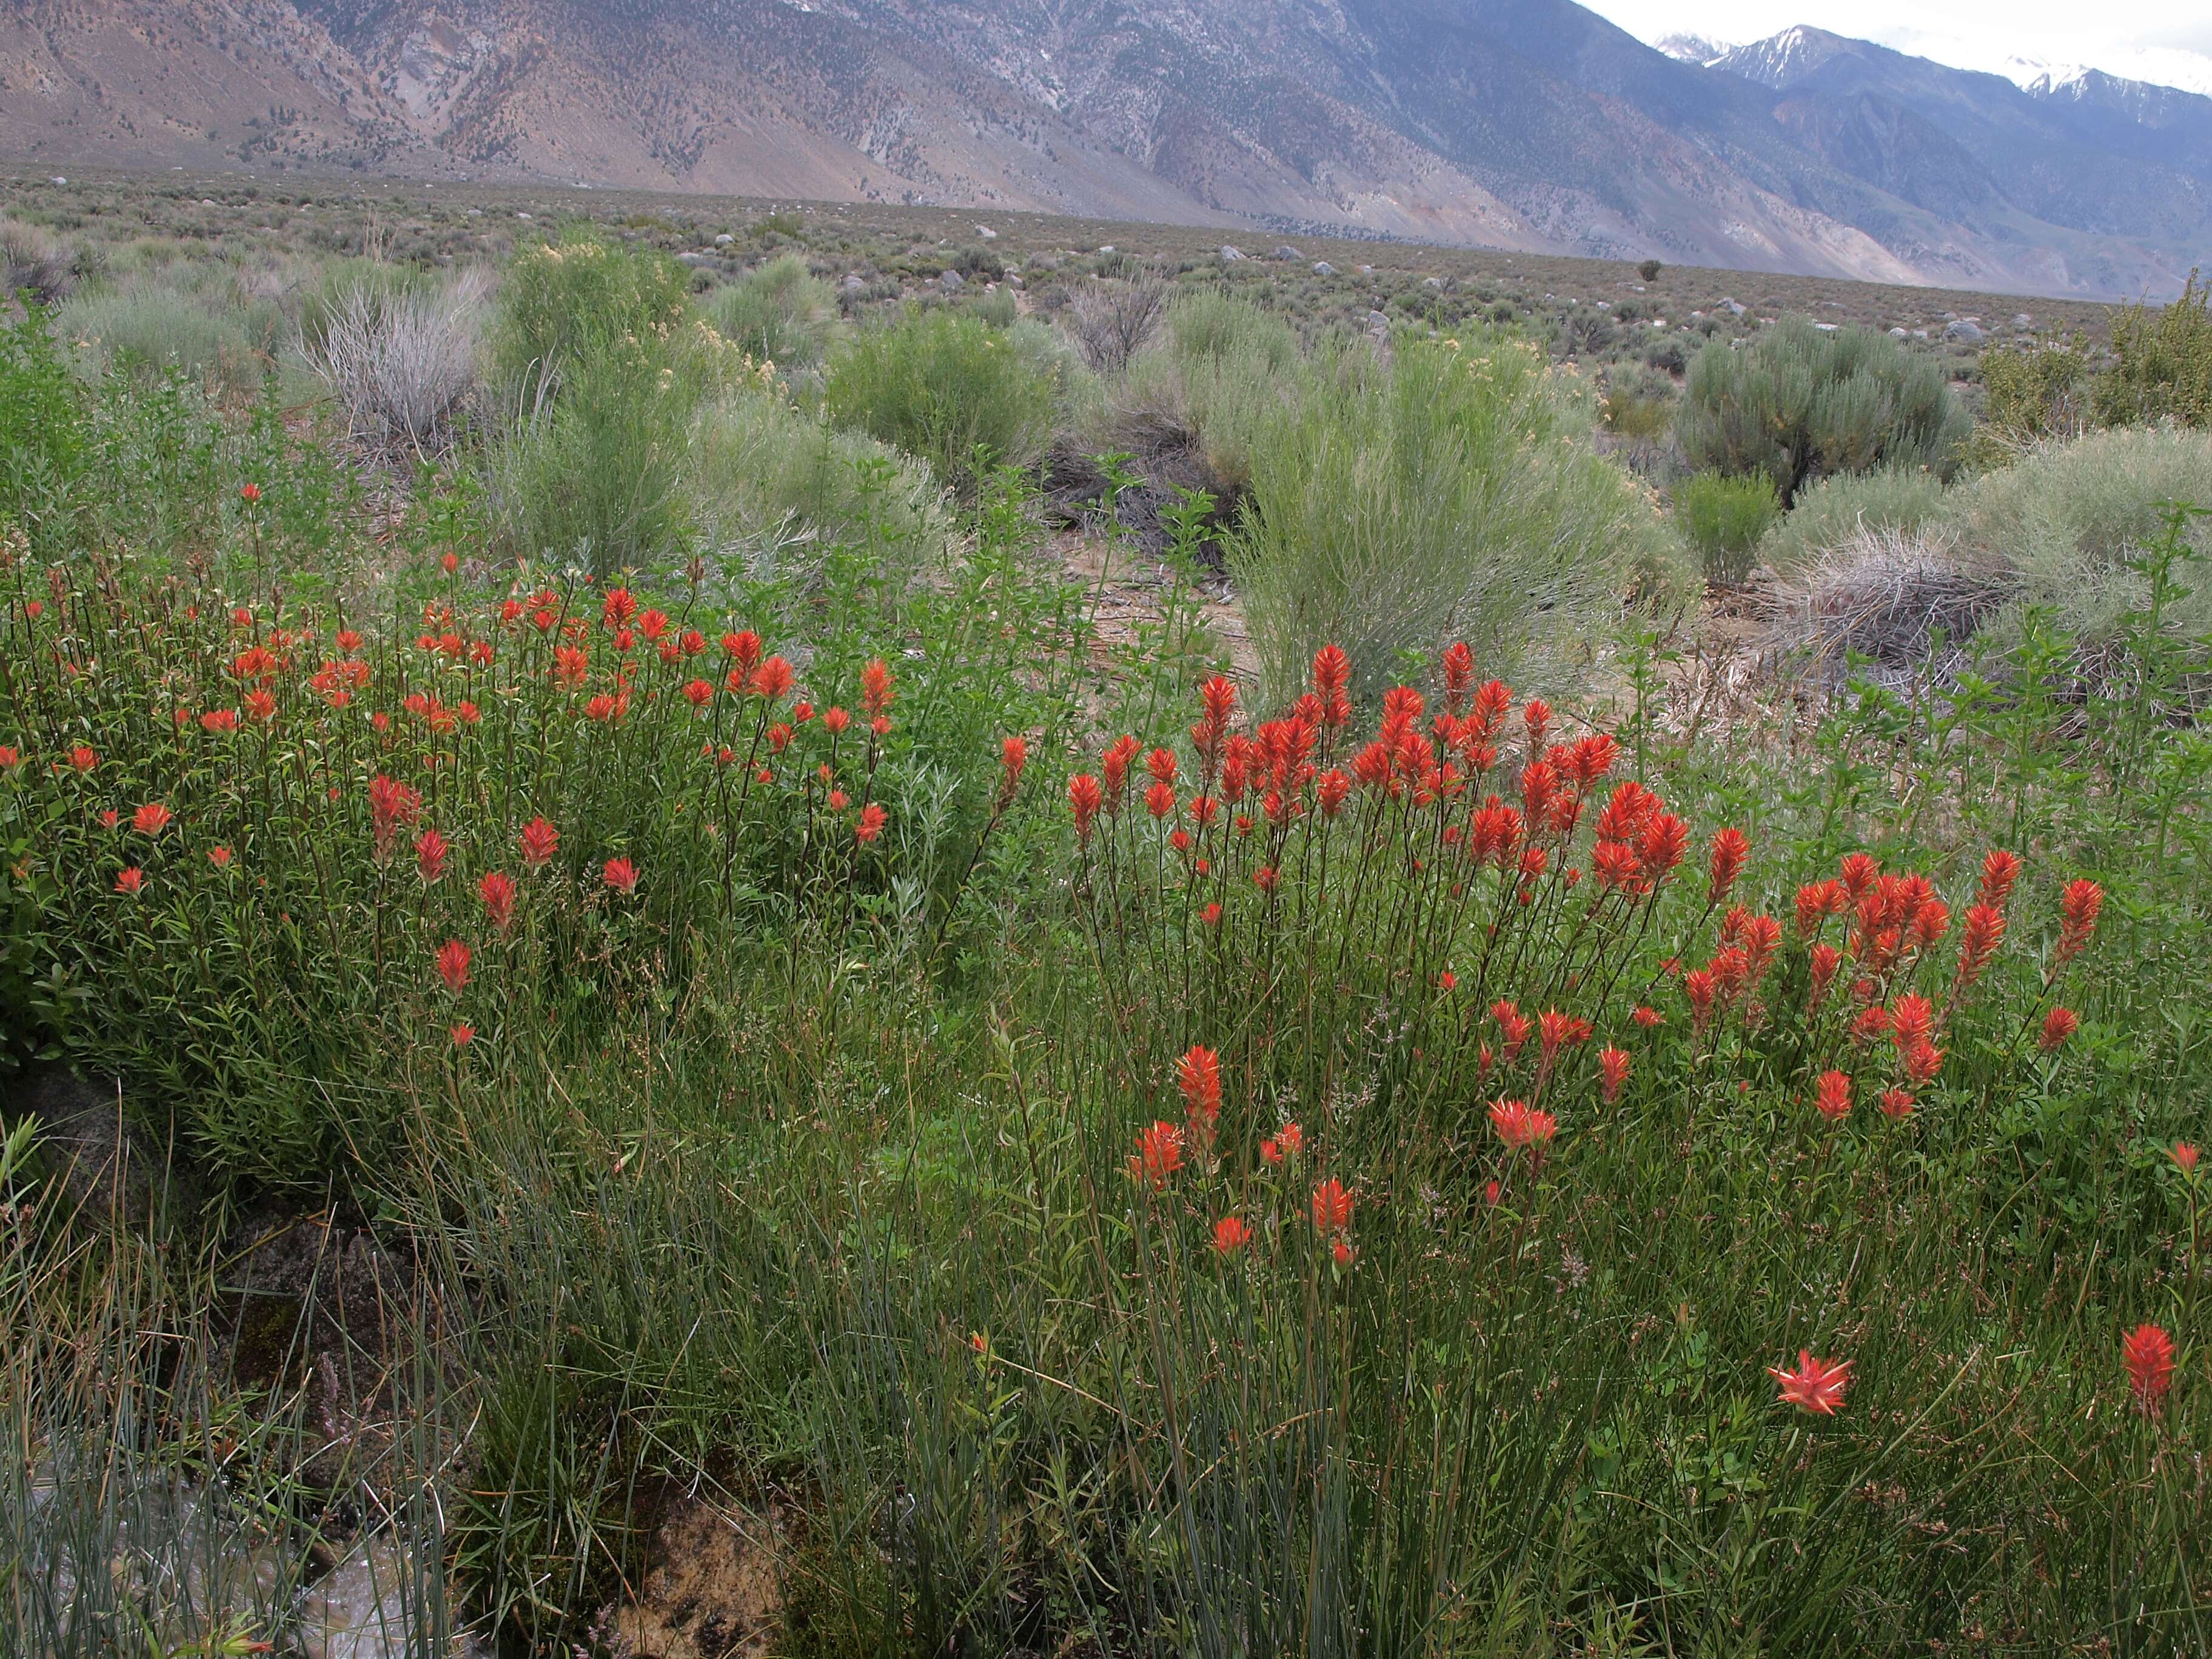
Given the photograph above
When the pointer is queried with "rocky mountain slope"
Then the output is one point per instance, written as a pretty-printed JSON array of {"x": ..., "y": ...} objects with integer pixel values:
[{"x": 1529, "y": 125}]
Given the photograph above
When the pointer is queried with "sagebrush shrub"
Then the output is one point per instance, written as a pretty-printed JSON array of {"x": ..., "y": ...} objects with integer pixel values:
[
  {"x": 2162, "y": 366},
  {"x": 1723, "y": 519},
  {"x": 779, "y": 313},
  {"x": 947, "y": 388},
  {"x": 1797, "y": 402}
]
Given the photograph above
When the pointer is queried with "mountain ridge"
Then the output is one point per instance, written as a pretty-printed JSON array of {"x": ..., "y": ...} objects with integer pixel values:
[{"x": 1527, "y": 124}]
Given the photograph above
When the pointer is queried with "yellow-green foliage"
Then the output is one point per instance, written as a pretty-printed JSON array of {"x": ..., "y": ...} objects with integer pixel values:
[{"x": 2163, "y": 366}]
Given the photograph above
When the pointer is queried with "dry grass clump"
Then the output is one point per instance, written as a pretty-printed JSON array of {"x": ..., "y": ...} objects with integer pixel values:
[
  {"x": 1887, "y": 595},
  {"x": 402, "y": 362}
]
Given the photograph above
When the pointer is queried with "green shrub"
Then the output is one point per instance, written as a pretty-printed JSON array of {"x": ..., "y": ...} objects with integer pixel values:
[
  {"x": 1451, "y": 495},
  {"x": 2072, "y": 519},
  {"x": 147, "y": 329},
  {"x": 1832, "y": 510},
  {"x": 1224, "y": 328},
  {"x": 779, "y": 314},
  {"x": 1723, "y": 518},
  {"x": 2032, "y": 392},
  {"x": 789, "y": 483},
  {"x": 2163, "y": 362},
  {"x": 944, "y": 387},
  {"x": 1799, "y": 403},
  {"x": 582, "y": 298}
]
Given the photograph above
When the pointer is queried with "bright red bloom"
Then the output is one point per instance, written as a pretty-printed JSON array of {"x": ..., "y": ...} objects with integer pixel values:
[
  {"x": 110, "y": 818},
  {"x": 1518, "y": 1126},
  {"x": 2184, "y": 1158},
  {"x": 1612, "y": 1072},
  {"x": 83, "y": 759},
  {"x": 1730, "y": 849},
  {"x": 1860, "y": 872},
  {"x": 430, "y": 855},
  {"x": 1895, "y": 1102},
  {"x": 772, "y": 679},
  {"x": 219, "y": 857},
  {"x": 497, "y": 892},
  {"x": 1535, "y": 715},
  {"x": 1910, "y": 1020},
  {"x": 2078, "y": 909},
  {"x": 2058, "y": 1024},
  {"x": 875, "y": 693},
  {"x": 1342, "y": 1253},
  {"x": 1647, "y": 1017},
  {"x": 619, "y": 608},
  {"x": 699, "y": 694},
  {"x": 540, "y": 841},
  {"x": 743, "y": 649},
  {"x": 1266, "y": 877},
  {"x": 1923, "y": 1061},
  {"x": 1084, "y": 797},
  {"x": 454, "y": 964},
  {"x": 151, "y": 819},
  {"x": 873, "y": 818},
  {"x": 1513, "y": 1022},
  {"x": 219, "y": 721},
  {"x": 1815, "y": 1386},
  {"x": 1198, "y": 1075},
  {"x": 1700, "y": 987},
  {"x": 1160, "y": 799},
  {"x": 2000, "y": 870},
  {"x": 1332, "y": 1207},
  {"x": 1159, "y": 1155},
  {"x": 1871, "y": 1025},
  {"x": 1211, "y": 915},
  {"x": 130, "y": 880},
  {"x": 1014, "y": 757},
  {"x": 2147, "y": 1352},
  {"x": 1231, "y": 1235},
  {"x": 1554, "y": 1030},
  {"x": 570, "y": 666},
  {"x": 1833, "y": 1098},
  {"x": 1818, "y": 900},
  {"x": 1332, "y": 676},
  {"x": 462, "y": 1034},
  {"x": 249, "y": 494},
  {"x": 1985, "y": 931},
  {"x": 621, "y": 875},
  {"x": 392, "y": 807}
]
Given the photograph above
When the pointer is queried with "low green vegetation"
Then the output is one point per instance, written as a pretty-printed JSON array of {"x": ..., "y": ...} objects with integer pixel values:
[{"x": 1348, "y": 1082}]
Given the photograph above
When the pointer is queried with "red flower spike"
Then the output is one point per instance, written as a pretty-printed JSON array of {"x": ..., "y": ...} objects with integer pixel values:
[
  {"x": 2184, "y": 1158},
  {"x": 621, "y": 875},
  {"x": 540, "y": 841},
  {"x": 1084, "y": 798},
  {"x": 2078, "y": 909},
  {"x": 2058, "y": 1024},
  {"x": 497, "y": 892},
  {"x": 2147, "y": 1352},
  {"x": 1895, "y": 1102},
  {"x": 1833, "y": 1096},
  {"x": 130, "y": 881},
  {"x": 1730, "y": 849},
  {"x": 876, "y": 692},
  {"x": 1231, "y": 1235},
  {"x": 1014, "y": 757},
  {"x": 1815, "y": 1386},
  {"x": 1159, "y": 1155},
  {"x": 2000, "y": 871},
  {"x": 151, "y": 819},
  {"x": 1518, "y": 1126},
  {"x": 454, "y": 964},
  {"x": 1612, "y": 1072},
  {"x": 1332, "y": 1207},
  {"x": 430, "y": 855},
  {"x": 873, "y": 818}
]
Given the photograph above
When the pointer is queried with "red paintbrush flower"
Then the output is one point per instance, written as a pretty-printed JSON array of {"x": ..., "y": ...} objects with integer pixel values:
[
  {"x": 619, "y": 608},
  {"x": 497, "y": 892},
  {"x": 621, "y": 875},
  {"x": 1513, "y": 1022},
  {"x": 1815, "y": 1386},
  {"x": 2058, "y": 1024},
  {"x": 744, "y": 651},
  {"x": 1231, "y": 1235},
  {"x": 698, "y": 694},
  {"x": 1612, "y": 1072},
  {"x": 540, "y": 841},
  {"x": 2184, "y": 1158},
  {"x": 1331, "y": 678},
  {"x": 772, "y": 679},
  {"x": 430, "y": 855},
  {"x": 1332, "y": 1207},
  {"x": 151, "y": 819},
  {"x": 2078, "y": 909},
  {"x": 130, "y": 881},
  {"x": 1895, "y": 1102},
  {"x": 876, "y": 692},
  {"x": 2147, "y": 1352},
  {"x": 873, "y": 818},
  {"x": 392, "y": 807},
  {"x": 454, "y": 964},
  {"x": 1730, "y": 849},
  {"x": 83, "y": 759},
  {"x": 1160, "y": 799},
  {"x": 2000, "y": 871},
  {"x": 1159, "y": 1155},
  {"x": 1833, "y": 1097},
  {"x": 1519, "y": 1127},
  {"x": 1647, "y": 1017},
  {"x": 462, "y": 1036},
  {"x": 1977, "y": 946},
  {"x": 1198, "y": 1075},
  {"x": 1014, "y": 757},
  {"x": 1084, "y": 798},
  {"x": 219, "y": 857}
]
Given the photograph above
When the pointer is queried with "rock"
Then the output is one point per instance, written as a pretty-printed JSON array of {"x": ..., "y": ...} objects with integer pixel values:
[
  {"x": 1900, "y": 334},
  {"x": 952, "y": 281},
  {"x": 1108, "y": 248},
  {"x": 58, "y": 179},
  {"x": 1286, "y": 251},
  {"x": 725, "y": 240},
  {"x": 1731, "y": 307},
  {"x": 1964, "y": 332},
  {"x": 1919, "y": 333},
  {"x": 1013, "y": 280},
  {"x": 475, "y": 213},
  {"x": 854, "y": 284},
  {"x": 987, "y": 233},
  {"x": 1826, "y": 328},
  {"x": 1323, "y": 268},
  {"x": 523, "y": 215},
  {"x": 1377, "y": 323},
  {"x": 207, "y": 201},
  {"x": 1432, "y": 281},
  {"x": 2023, "y": 320},
  {"x": 1230, "y": 256},
  {"x": 1365, "y": 270},
  {"x": 373, "y": 1605}
]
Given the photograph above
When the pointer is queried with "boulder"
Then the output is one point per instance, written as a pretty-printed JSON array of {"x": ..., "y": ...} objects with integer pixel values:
[
  {"x": 1286, "y": 251},
  {"x": 1964, "y": 332},
  {"x": 1323, "y": 268},
  {"x": 1230, "y": 256},
  {"x": 953, "y": 280}
]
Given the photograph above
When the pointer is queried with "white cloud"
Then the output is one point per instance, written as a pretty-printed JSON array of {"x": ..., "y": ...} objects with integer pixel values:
[{"x": 2007, "y": 37}]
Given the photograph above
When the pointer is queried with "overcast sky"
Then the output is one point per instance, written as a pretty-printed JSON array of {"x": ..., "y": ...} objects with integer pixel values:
[{"x": 2164, "y": 41}]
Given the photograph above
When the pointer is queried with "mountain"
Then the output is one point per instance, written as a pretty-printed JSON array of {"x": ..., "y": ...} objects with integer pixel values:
[{"x": 1529, "y": 125}]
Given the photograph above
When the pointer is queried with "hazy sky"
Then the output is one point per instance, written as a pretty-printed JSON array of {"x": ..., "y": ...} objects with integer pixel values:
[{"x": 2170, "y": 42}]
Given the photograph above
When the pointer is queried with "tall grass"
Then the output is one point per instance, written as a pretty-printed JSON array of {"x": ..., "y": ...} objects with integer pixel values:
[{"x": 779, "y": 314}]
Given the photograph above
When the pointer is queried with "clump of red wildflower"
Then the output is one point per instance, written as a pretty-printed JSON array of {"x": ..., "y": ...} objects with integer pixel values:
[{"x": 1816, "y": 1385}]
